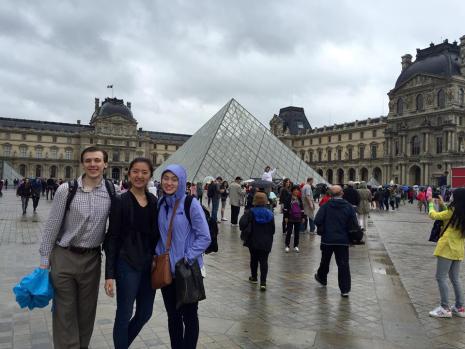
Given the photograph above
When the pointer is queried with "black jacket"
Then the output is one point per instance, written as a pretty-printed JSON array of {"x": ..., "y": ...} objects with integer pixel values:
[
  {"x": 263, "y": 228},
  {"x": 24, "y": 189},
  {"x": 123, "y": 241},
  {"x": 352, "y": 196},
  {"x": 336, "y": 217}
]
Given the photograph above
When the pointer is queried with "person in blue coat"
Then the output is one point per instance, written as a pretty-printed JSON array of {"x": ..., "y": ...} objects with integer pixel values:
[{"x": 189, "y": 242}]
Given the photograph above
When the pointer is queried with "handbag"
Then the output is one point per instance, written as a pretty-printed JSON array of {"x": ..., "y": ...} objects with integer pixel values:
[
  {"x": 189, "y": 283},
  {"x": 161, "y": 270},
  {"x": 436, "y": 231},
  {"x": 355, "y": 232}
]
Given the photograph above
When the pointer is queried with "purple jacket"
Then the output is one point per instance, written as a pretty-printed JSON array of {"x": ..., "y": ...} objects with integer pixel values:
[{"x": 188, "y": 241}]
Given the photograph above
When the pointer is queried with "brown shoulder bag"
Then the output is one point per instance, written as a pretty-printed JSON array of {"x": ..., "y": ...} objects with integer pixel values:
[{"x": 161, "y": 270}]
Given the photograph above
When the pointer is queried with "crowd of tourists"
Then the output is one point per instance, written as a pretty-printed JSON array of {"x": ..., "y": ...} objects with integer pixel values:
[{"x": 159, "y": 229}]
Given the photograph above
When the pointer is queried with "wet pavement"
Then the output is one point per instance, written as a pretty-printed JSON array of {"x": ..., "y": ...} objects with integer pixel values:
[{"x": 393, "y": 288}]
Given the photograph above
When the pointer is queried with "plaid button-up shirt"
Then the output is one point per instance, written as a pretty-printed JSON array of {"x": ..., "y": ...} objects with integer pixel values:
[{"x": 85, "y": 222}]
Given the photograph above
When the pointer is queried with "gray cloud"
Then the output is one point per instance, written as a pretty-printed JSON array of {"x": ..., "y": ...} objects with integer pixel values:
[{"x": 180, "y": 61}]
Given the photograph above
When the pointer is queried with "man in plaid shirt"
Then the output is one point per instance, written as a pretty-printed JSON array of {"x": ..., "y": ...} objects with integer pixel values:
[{"x": 70, "y": 247}]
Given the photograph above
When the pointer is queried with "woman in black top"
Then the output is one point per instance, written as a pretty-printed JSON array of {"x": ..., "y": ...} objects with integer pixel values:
[{"x": 129, "y": 247}]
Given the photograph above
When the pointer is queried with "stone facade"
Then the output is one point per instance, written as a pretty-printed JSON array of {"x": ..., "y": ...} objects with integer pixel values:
[
  {"x": 421, "y": 137},
  {"x": 51, "y": 149}
]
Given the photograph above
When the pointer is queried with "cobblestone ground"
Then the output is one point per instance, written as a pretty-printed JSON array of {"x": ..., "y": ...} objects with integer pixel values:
[{"x": 294, "y": 312}]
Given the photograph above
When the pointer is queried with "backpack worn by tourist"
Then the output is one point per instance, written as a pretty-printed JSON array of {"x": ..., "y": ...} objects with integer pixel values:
[
  {"x": 72, "y": 189},
  {"x": 212, "y": 225}
]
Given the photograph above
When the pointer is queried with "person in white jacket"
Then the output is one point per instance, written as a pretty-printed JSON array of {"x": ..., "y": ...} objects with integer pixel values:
[{"x": 268, "y": 174}]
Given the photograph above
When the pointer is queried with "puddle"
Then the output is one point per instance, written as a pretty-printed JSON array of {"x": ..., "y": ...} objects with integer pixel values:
[
  {"x": 390, "y": 270},
  {"x": 385, "y": 261}
]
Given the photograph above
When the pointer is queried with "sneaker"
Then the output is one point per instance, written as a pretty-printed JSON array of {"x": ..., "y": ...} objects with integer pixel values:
[
  {"x": 296, "y": 249},
  {"x": 253, "y": 280},
  {"x": 440, "y": 312},
  {"x": 345, "y": 294},
  {"x": 263, "y": 288},
  {"x": 460, "y": 312},
  {"x": 224, "y": 219},
  {"x": 218, "y": 221},
  {"x": 319, "y": 280},
  {"x": 234, "y": 225},
  {"x": 286, "y": 249}
]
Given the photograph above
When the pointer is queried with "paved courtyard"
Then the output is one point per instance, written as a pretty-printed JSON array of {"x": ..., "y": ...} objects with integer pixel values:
[{"x": 393, "y": 288}]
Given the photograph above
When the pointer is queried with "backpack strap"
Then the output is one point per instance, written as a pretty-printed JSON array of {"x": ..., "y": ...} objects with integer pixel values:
[
  {"x": 187, "y": 207},
  {"x": 72, "y": 189},
  {"x": 110, "y": 188}
]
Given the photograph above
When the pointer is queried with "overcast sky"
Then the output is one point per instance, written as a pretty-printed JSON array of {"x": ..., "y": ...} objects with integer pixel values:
[{"x": 178, "y": 62}]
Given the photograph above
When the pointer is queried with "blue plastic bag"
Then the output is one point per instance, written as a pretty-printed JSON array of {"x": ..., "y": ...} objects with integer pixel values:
[{"x": 34, "y": 290}]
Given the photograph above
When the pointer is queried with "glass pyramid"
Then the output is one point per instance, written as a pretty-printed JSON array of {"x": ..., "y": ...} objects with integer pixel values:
[{"x": 234, "y": 143}]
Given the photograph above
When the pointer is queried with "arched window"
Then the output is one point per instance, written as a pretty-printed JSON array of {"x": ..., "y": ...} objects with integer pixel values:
[
  {"x": 415, "y": 145},
  {"x": 68, "y": 172},
  {"x": 461, "y": 97},
  {"x": 22, "y": 170},
  {"x": 7, "y": 149},
  {"x": 400, "y": 106},
  {"x": 38, "y": 171},
  {"x": 441, "y": 99},
  {"x": 53, "y": 171},
  {"x": 420, "y": 104}
]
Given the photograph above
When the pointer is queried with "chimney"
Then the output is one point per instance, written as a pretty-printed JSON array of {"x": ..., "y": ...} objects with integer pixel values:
[
  {"x": 462, "y": 55},
  {"x": 128, "y": 104},
  {"x": 79, "y": 122},
  {"x": 97, "y": 104},
  {"x": 406, "y": 61},
  {"x": 140, "y": 129}
]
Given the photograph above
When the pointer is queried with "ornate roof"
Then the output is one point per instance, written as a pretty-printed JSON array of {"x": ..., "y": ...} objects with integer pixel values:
[{"x": 112, "y": 107}]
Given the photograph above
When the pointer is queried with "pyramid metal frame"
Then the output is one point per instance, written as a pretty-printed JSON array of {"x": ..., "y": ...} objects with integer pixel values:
[{"x": 234, "y": 143}]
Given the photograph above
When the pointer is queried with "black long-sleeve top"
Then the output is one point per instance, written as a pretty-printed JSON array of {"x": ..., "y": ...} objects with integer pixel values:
[{"x": 132, "y": 233}]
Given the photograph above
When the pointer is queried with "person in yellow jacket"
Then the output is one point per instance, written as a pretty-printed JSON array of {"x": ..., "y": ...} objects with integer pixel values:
[{"x": 450, "y": 252}]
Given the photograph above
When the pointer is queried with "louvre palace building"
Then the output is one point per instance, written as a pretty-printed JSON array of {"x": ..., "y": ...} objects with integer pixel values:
[
  {"x": 52, "y": 149},
  {"x": 420, "y": 139}
]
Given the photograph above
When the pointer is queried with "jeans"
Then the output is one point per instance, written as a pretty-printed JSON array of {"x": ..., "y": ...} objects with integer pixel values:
[
  {"x": 183, "y": 323},
  {"x": 35, "y": 201},
  {"x": 24, "y": 202},
  {"x": 311, "y": 224},
  {"x": 131, "y": 286},
  {"x": 234, "y": 213},
  {"x": 215, "y": 206},
  {"x": 296, "y": 227},
  {"x": 447, "y": 267},
  {"x": 256, "y": 257},
  {"x": 342, "y": 260}
]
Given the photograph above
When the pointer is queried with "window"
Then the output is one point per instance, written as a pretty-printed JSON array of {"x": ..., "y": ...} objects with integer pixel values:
[
  {"x": 300, "y": 125},
  {"x": 438, "y": 145},
  {"x": 54, "y": 153},
  {"x": 68, "y": 171},
  {"x": 361, "y": 151},
  {"x": 339, "y": 138},
  {"x": 373, "y": 133},
  {"x": 320, "y": 155},
  {"x": 140, "y": 144},
  {"x": 7, "y": 135},
  {"x": 319, "y": 140},
  {"x": 23, "y": 136},
  {"x": 53, "y": 171},
  {"x": 396, "y": 147},
  {"x": 350, "y": 136},
  {"x": 68, "y": 154},
  {"x": 373, "y": 152},
  {"x": 400, "y": 106},
  {"x": 349, "y": 153},
  {"x": 460, "y": 145},
  {"x": 54, "y": 139},
  {"x": 420, "y": 103},
  {"x": 329, "y": 139},
  {"x": 22, "y": 170},
  {"x": 415, "y": 145},
  {"x": 38, "y": 171},
  {"x": 302, "y": 154},
  {"x": 39, "y": 139},
  {"x": 39, "y": 152},
  {"x": 7, "y": 150},
  {"x": 339, "y": 154},
  {"x": 441, "y": 99},
  {"x": 361, "y": 134},
  {"x": 310, "y": 156},
  {"x": 461, "y": 121},
  {"x": 127, "y": 144},
  {"x": 115, "y": 155},
  {"x": 126, "y": 156},
  {"x": 461, "y": 97},
  {"x": 311, "y": 141},
  {"x": 329, "y": 154},
  {"x": 23, "y": 151}
]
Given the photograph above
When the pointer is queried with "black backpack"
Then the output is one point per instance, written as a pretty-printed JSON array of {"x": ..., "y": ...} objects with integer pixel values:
[
  {"x": 211, "y": 190},
  {"x": 72, "y": 189},
  {"x": 212, "y": 225}
]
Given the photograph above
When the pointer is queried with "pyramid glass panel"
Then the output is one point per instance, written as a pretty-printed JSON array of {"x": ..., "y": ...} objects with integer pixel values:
[{"x": 234, "y": 143}]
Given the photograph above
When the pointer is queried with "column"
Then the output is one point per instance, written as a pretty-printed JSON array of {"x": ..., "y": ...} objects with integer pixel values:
[
  {"x": 454, "y": 140},
  {"x": 427, "y": 146},
  {"x": 427, "y": 179}
]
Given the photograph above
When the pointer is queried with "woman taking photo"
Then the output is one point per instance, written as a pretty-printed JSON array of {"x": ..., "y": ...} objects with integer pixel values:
[
  {"x": 129, "y": 246},
  {"x": 189, "y": 241},
  {"x": 449, "y": 252}
]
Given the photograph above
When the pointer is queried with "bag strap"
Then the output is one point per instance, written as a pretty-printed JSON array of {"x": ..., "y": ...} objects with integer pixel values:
[
  {"x": 187, "y": 207},
  {"x": 444, "y": 230},
  {"x": 170, "y": 228}
]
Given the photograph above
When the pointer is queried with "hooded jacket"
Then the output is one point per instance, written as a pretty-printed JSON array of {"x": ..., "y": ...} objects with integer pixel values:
[
  {"x": 188, "y": 241},
  {"x": 263, "y": 228},
  {"x": 336, "y": 217}
]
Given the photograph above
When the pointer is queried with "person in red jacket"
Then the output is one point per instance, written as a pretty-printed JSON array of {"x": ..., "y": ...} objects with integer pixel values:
[{"x": 326, "y": 197}]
